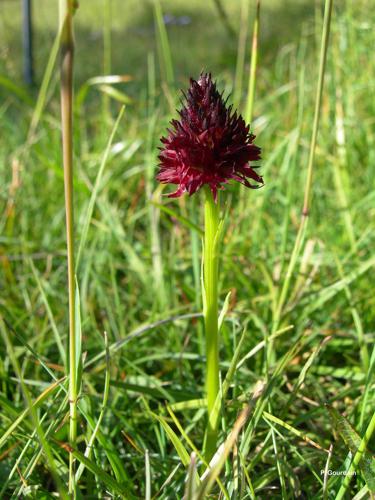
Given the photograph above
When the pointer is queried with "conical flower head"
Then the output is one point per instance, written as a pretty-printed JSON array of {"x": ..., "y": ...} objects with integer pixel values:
[{"x": 209, "y": 145}]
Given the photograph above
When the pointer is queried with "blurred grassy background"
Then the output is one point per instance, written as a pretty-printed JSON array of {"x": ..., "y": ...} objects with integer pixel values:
[{"x": 203, "y": 39}]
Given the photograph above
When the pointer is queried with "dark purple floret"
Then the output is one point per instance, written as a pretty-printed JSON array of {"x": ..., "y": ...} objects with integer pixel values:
[{"x": 208, "y": 145}]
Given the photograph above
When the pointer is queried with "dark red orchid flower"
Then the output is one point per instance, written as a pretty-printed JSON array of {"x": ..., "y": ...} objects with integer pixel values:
[{"x": 209, "y": 145}]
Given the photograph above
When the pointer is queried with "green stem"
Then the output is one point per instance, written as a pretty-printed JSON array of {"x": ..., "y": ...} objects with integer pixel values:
[
  {"x": 67, "y": 53},
  {"x": 253, "y": 67},
  {"x": 210, "y": 300},
  {"x": 318, "y": 104},
  {"x": 310, "y": 168},
  {"x": 249, "y": 108},
  {"x": 241, "y": 53},
  {"x": 163, "y": 45}
]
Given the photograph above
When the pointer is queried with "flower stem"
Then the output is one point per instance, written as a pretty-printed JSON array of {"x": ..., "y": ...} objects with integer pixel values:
[
  {"x": 67, "y": 51},
  {"x": 210, "y": 302}
]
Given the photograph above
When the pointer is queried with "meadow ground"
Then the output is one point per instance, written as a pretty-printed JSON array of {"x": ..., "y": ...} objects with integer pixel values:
[{"x": 298, "y": 345}]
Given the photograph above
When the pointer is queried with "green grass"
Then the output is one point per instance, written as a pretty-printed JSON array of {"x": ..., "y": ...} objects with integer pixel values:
[{"x": 141, "y": 410}]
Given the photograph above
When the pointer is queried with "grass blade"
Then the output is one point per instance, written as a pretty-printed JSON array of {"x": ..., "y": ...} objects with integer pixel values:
[
  {"x": 177, "y": 443},
  {"x": 31, "y": 411},
  {"x": 222, "y": 454},
  {"x": 357, "y": 447},
  {"x": 112, "y": 484},
  {"x": 191, "y": 484},
  {"x": 253, "y": 67},
  {"x": 94, "y": 194},
  {"x": 163, "y": 44}
]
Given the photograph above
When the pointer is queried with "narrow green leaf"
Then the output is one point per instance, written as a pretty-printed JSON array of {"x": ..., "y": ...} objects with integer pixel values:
[
  {"x": 331, "y": 291},
  {"x": 37, "y": 402},
  {"x": 173, "y": 213},
  {"x": 108, "y": 447},
  {"x": 177, "y": 443},
  {"x": 221, "y": 455},
  {"x": 109, "y": 481},
  {"x": 115, "y": 94},
  {"x": 228, "y": 379},
  {"x": 301, "y": 435},
  {"x": 163, "y": 44},
  {"x": 93, "y": 436},
  {"x": 224, "y": 310},
  {"x": 191, "y": 484},
  {"x": 98, "y": 80},
  {"x": 192, "y": 404},
  {"x": 138, "y": 332},
  {"x": 94, "y": 194},
  {"x": 49, "y": 313},
  {"x": 42, "y": 95},
  {"x": 353, "y": 442},
  {"x": 17, "y": 90}
]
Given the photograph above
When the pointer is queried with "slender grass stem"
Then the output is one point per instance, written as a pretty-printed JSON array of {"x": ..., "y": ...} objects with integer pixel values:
[
  {"x": 251, "y": 91},
  {"x": 253, "y": 67},
  {"x": 310, "y": 168},
  {"x": 318, "y": 103},
  {"x": 154, "y": 210},
  {"x": 90, "y": 444},
  {"x": 210, "y": 302},
  {"x": 241, "y": 53},
  {"x": 107, "y": 53},
  {"x": 67, "y": 54},
  {"x": 163, "y": 45}
]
